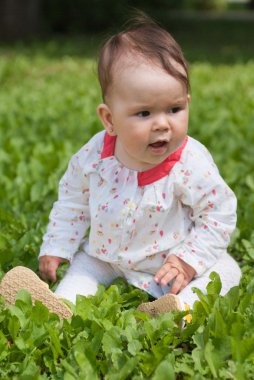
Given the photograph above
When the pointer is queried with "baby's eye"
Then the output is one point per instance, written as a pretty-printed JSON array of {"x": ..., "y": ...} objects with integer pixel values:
[
  {"x": 174, "y": 109},
  {"x": 143, "y": 113}
]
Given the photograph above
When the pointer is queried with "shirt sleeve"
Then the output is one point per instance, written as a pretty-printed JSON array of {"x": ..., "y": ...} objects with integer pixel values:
[
  {"x": 70, "y": 216},
  {"x": 211, "y": 206}
]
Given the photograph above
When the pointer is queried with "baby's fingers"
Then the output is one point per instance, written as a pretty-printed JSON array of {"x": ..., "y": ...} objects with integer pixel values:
[
  {"x": 178, "y": 284},
  {"x": 51, "y": 272},
  {"x": 47, "y": 273},
  {"x": 48, "y": 266},
  {"x": 165, "y": 274}
]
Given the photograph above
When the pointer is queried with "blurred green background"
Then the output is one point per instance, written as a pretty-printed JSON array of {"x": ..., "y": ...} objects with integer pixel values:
[{"x": 208, "y": 30}]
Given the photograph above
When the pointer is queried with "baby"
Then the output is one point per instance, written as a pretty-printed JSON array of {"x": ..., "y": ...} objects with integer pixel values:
[{"x": 157, "y": 210}]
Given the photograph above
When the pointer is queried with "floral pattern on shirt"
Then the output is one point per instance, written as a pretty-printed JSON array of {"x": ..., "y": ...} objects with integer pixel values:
[{"x": 190, "y": 212}]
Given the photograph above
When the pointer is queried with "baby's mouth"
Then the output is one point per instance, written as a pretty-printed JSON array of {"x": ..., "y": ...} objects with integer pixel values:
[{"x": 158, "y": 144}]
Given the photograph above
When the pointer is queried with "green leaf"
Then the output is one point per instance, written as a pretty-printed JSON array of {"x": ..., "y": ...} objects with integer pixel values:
[
  {"x": 214, "y": 286},
  {"x": 213, "y": 358},
  {"x": 134, "y": 347},
  {"x": 125, "y": 370},
  {"x": 111, "y": 342},
  {"x": 55, "y": 343},
  {"x": 249, "y": 248},
  {"x": 70, "y": 373},
  {"x": 250, "y": 182},
  {"x": 3, "y": 346},
  {"x": 13, "y": 327},
  {"x": 242, "y": 349},
  {"x": 86, "y": 370},
  {"x": 164, "y": 371},
  {"x": 31, "y": 371}
]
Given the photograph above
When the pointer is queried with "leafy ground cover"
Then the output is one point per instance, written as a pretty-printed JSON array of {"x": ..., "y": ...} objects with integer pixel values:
[{"x": 47, "y": 111}]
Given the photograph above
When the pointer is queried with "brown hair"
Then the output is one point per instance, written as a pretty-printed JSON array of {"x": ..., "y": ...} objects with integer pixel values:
[{"x": 144, "y": 37}]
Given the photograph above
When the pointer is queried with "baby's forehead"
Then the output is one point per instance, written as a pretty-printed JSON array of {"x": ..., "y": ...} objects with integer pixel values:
[
  {"x": 132, "y": 61},
  {"x": 127, "y": 62},
  {"x": 126, "y": 59}
]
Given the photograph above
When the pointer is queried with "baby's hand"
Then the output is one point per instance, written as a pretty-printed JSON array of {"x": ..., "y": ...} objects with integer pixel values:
[
  {"x": 175, "y": 268},
  {"x": 48, "y": 266}
]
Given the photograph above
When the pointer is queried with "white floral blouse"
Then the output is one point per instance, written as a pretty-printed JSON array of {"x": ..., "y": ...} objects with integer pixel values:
[{"x": 137, "y": 219}]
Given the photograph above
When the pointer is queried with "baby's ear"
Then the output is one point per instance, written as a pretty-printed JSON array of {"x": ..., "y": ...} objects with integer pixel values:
[
  {"x": 188, "y": 98},
  {"x": 105, "y": 116}
]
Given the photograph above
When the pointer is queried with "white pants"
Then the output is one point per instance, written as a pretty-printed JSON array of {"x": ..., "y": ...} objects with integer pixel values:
[{"x": 86, "y": 272}]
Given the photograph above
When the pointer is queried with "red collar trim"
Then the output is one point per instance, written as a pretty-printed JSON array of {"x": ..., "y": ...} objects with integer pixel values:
[
  {"x": 151, "y": 175},
  {"x": 108, "y": 146}
]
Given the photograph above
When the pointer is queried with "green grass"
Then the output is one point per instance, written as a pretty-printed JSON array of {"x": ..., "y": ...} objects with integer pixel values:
[{"x": 48, "y": 99}]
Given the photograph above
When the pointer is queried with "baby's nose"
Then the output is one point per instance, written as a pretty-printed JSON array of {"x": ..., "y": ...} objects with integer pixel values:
[{"x": 161, "y": 122}]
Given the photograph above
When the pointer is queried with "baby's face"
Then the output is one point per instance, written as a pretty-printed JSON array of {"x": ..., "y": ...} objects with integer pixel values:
[{"x": 149, "y": 114}]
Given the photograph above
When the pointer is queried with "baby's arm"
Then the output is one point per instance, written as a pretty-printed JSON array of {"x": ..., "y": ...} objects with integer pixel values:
[
  {"x": 175, "y": 269},
  {"x": 69, "y": 219},
  {"x": 211, "y": 207},
  {"x": 48, "y": 266},
  {"x": 213, "y": 220}
]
